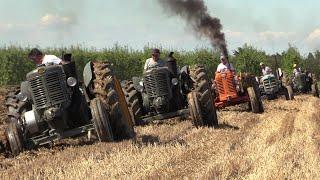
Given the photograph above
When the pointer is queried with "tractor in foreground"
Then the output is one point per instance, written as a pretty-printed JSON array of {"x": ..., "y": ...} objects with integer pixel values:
[{"x": 52, "y": 104}]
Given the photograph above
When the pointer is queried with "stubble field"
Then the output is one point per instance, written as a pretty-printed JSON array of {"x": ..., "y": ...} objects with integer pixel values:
[{"x": 283, "y": 142}]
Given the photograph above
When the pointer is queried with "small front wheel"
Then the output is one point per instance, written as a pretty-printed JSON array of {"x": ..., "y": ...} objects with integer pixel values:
[
  {"x": 314, "y": 90},
  {"x": 255, "y": 101},
  {"x": 100, "y": 119},
  {"x": 289, "y": 93},
  {"x": 14, "y": 137}
]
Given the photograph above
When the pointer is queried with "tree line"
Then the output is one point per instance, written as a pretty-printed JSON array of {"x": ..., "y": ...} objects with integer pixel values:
[{"x": 128, "y": 62}]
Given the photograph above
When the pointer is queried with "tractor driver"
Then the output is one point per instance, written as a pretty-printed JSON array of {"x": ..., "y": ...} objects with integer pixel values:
[
  {"x": 154, "y": 61},
  {"x": 265, "y": 69},
  {"x": 39, "y": 58},
  {"x": 225, "y": 65},
  {"x": 296, "y": 70}
]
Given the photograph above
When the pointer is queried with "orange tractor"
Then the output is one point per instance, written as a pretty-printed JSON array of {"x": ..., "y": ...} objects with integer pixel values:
[{"x": 231, "y": 90}]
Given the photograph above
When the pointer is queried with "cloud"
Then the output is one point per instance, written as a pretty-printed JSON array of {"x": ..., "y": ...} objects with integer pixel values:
[
  {"x": 232, "y": 34},
  {"x": 314, "y": 36},
  {"x": 6, "y": 27},
  {"x": 51, "y": 20},
  {"x": 274, "y": 35}
]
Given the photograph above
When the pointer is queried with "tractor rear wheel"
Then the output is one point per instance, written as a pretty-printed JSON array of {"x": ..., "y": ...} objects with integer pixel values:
[
  {"x": 14, "y": 137},
  {"x": 195, "y": 110},
  {"x": 101, "y": 121},
  {"x": 108, "y": 89},
  {"x": 255, "y": 101},
  {"x": 134, "y": 101},
  {"x": 203, "y": 94},
  {"x": 289, "y": 93},
  {"x": 314, "y": 90}
]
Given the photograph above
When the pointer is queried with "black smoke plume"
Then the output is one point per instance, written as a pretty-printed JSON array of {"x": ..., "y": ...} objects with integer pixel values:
[{"x": 196, "y": 14}]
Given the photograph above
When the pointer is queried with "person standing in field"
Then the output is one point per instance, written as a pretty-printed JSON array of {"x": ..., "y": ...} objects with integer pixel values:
[
  {"x": 40, "y": 58},
  {"x": 154, "y": 61}
]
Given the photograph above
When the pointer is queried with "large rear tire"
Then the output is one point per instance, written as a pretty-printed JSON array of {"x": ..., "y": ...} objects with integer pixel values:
[
  {"x": 289, "y": 93},
  {"x": 314, "y": 90},
  {"x": 14, "y": 137},
  {"x": 134, "y": 101},
  {"x": 101, "y": 121},
  {"x": 203, "y": 94},
  {"x": 15, "y": 107},
  {"x": 108, "y": 89},
  {"x": 255, "y": 101}
]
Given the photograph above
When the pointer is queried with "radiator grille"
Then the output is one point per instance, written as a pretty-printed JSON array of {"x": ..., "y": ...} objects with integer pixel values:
[
  {"x": 157, "y": 83},
  {"x": 270, "y": 83},
  {"x": 49, "y": 89}
]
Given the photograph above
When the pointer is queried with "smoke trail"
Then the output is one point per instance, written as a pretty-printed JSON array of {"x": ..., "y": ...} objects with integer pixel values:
[{"x": 196, "y": 14}]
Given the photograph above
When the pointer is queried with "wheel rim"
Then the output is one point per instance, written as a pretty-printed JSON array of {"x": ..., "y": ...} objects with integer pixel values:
[{"x": 14, "y": 139}]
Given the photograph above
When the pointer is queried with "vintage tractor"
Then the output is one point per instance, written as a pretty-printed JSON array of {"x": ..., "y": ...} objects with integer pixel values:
[
  {"x": 164, "y": 92},
  {"x": 52, "y": 104},
  {"x": 272, "y": 87},
  {"x": 304, "y": 83},
  {"x": 231, "y": 90}
]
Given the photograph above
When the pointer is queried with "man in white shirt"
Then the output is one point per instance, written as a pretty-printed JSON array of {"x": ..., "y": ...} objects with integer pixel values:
[
  {"x": 296, "y": 70},
  {"x": 154, "y": 61},
  {"x": 265, "y": 69},
  {"x": 224, "y": 65},
  {"x": 39, "y": 58}
]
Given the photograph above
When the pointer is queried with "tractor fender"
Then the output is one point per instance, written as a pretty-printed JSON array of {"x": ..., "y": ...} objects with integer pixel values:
[
  {"x": 187, "y": 82},
  {"x": 25, "y": 89},
  {"x": 136, "y": 83},
  {"x": 87, "y": 74},
  {"x": 184, "y": 72}
]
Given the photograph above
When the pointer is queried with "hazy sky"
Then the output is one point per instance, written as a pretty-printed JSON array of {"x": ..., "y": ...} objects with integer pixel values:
[{"x": 269, "y": 25}]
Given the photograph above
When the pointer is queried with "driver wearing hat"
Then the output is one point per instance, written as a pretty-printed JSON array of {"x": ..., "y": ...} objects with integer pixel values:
[
  {"x": 265, "y": 69},
  {"x": 154, "y": 61}
]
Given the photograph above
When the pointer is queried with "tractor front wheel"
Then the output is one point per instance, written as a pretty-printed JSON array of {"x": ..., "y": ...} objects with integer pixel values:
[
  {"x": 14, "y": 137},
  {"x": 255, "y": 101},
  {"x": 195, "y": 110},
  {"x": 100, "y": 119},
  {"x": 314, "y": 90},
  {"x": 289, "y": 93}
]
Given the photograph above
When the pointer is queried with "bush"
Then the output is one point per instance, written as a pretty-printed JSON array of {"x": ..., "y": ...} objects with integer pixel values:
[{"x": 127, "y": 62}]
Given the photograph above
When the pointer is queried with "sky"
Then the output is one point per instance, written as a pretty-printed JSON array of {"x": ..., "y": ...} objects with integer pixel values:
[{"x": 269, "y": 25}]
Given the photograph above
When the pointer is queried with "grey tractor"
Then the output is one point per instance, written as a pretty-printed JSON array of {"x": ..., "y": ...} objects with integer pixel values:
[
  {"x": 272, "y": 86},
  {"x": 166, "y": 92},
  {"x": 52, "y": 104}
]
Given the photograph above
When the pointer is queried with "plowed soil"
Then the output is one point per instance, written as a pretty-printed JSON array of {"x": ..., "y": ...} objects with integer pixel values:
[{"x": 283, "y": 142}]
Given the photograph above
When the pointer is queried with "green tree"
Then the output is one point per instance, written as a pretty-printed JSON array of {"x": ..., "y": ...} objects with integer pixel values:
[
  {"x": 289, "y": 58},
  {"x": 248, "y": 58},
  {"x": 314, "y": 63}
]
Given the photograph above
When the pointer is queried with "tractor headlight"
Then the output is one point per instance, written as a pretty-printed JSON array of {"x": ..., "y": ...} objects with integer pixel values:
[
  {"x": 174, "y": 81},
  {"x": 71, "y": 81},
  {"x": 22, "y": 97}
]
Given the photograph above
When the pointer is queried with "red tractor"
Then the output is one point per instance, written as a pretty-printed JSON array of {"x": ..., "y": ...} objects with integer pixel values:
[{"x": 230, "y": 90}]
